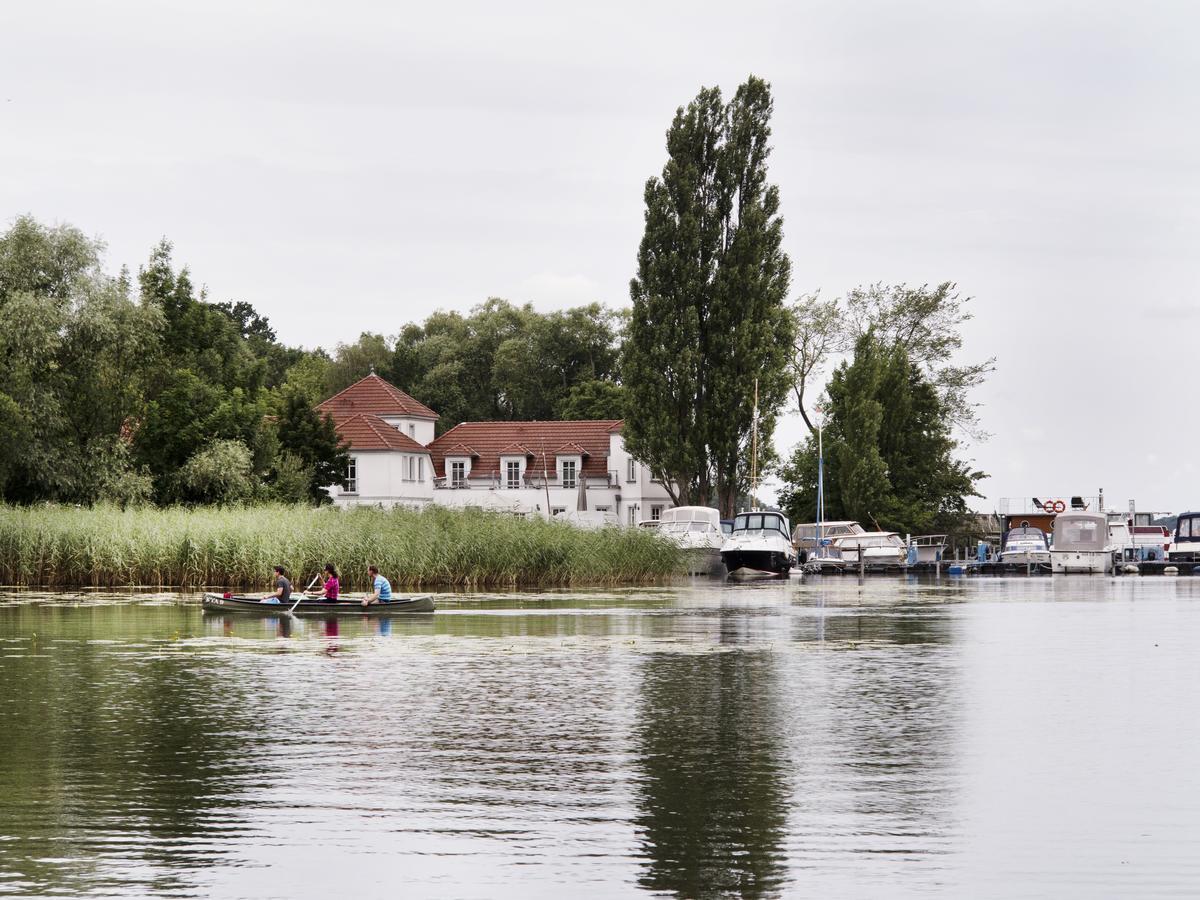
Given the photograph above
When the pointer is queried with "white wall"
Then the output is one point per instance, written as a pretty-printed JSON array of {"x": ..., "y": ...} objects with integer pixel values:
[
  {"x": 382, "y": 479},
  {"x": 422, "y": 429}
]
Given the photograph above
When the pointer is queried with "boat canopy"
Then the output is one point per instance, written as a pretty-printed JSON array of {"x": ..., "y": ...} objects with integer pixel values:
[
  {"x": 868, "y": 540},
  {"x": 761, "y": 521},
  {"x": 691, "y": 514},
  {"x": 1081, "y": 531},
  {"x": 1188, "y": 527}
]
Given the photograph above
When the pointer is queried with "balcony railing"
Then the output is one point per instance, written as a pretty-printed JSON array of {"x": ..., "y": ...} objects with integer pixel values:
[{"x": 494, "y": 481}]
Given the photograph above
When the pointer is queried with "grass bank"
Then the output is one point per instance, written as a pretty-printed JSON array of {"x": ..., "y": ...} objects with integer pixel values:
[{"x": 51, "y": 546}]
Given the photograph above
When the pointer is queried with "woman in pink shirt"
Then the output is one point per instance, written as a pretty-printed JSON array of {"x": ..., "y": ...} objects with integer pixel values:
[{"x": 332, "y": 587}]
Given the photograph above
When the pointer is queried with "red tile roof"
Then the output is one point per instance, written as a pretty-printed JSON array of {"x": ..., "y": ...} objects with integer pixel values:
[
  {"x": 490, "y": 440},
  {"x": 375, "y": 396},
  {"x": 368, "y": 432}
]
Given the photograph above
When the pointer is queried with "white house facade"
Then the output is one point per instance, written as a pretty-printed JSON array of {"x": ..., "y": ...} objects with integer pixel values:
[{"x": 525, "y": 468}]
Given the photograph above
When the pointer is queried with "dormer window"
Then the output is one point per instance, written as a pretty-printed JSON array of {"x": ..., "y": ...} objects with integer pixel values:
[
  {"x": 569, "y": 469},
  {"x": 512, "y": 474}
]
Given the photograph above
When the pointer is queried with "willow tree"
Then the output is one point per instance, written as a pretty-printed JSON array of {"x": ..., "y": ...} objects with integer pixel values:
[{"x": 709, "y": 316}]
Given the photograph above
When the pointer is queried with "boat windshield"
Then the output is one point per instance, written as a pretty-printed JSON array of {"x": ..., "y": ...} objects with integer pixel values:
[
  {"x": 1188, "y": 528},
  {"x": 760, "y": 522}
]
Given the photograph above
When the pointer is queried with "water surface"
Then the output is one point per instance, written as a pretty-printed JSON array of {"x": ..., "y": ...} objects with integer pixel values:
[{"x": 999, "y": 738}]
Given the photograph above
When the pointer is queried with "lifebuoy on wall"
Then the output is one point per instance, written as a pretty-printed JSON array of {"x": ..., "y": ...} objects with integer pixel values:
[{"x": 1054, "y": 506}]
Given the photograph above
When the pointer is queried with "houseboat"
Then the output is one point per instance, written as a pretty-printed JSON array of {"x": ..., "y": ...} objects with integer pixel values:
[
  {"x": 697, "y": 530},
  {"x": 759, "y": 546},
  {"x": 1082, "y": 544}
]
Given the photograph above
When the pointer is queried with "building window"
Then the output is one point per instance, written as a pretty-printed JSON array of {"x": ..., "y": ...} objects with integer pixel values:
[
  {"x": 557, "y": 510},
  {"x": 412, "y": 430},
  {"x": 352, "y": 477},
  {"x": 603, "y": 509},
  {"x": 568, "y": 473},
  {"x": 421, "y": 469},
  {"x": 458, "y": 474},
  {"x": 513, "y": 470},
  {"x": 633, "y": 515},
  {"x": 410, "y": 468},
  {"x": 656, "y": 512},
  {"x": 631, "y": 470}
]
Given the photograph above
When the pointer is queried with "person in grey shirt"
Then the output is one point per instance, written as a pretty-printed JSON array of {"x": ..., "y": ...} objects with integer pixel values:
[{"x": 283, "y": 588}]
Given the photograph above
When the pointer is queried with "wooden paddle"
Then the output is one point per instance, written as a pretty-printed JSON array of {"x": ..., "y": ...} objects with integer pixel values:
[{"x": 316, "y": 578}]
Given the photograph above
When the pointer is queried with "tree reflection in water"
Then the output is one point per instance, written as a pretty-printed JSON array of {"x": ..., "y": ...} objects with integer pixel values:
[{"x": 713, "y": 787}]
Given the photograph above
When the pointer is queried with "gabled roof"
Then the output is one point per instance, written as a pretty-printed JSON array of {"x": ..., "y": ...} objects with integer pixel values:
[
  {"x": 572, "y": 448},
  {"x": 460, "y": 450},
  {"x": 368, "y": 432},
  {"x": 541, "y": 440},
  {"x": 375, "y": 396},
  {"x": 516, "y": 449}
]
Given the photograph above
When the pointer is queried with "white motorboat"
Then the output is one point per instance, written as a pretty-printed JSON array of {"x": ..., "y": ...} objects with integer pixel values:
[
  {"x": 1082, "y": 544},
  {"x": 873, "y": 549},
  {"x": 697, "y": 530},
  {"x": 1025, "y": 545},
  {"x": 808, "y": 536},
  {"x": 1185, "y": 544},
  {"x": 760, "y": 546},
  {"x": 926, "y": 549}
]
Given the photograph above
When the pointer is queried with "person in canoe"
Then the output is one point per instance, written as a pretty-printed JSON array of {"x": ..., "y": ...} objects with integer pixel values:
[
  {"x": 283, "y": 588},
  {"x": 332, "y": 587},
  {"x": 381, "y": 588}
]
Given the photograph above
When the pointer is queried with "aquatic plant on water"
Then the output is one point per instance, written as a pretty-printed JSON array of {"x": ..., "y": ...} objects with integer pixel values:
[{"x": 58, "y": 546}]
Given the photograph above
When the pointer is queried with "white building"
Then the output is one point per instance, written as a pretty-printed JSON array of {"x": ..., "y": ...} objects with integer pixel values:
[{"x": 528, "y": 468}]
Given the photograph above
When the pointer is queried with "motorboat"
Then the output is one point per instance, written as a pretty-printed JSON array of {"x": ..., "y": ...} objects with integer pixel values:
[
  {"x": 759, "y": 546},
  {"x": 1025, "y": 545},
  {"x": 1082, "y": 544},
  {"x": 697, "y": 530},
  {"x": 872, "y": 549},
  {"x": 810, "y": 535},
  {"x": 1185, "y": 546}
]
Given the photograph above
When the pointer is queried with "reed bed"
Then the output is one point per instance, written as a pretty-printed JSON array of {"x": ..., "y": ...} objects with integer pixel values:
[{"x": 55, "y": 546}]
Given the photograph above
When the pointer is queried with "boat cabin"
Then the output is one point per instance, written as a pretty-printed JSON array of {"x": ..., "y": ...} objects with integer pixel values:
[
  {"x": 761, "y": 521},
  {"x": 1186, "y": 544},
  {"x": 804, "y": 537},
  {"x": 681, "y": 519},
  {"x": 1025, "y": 540},
  {"x": 1081, "y": 532}
]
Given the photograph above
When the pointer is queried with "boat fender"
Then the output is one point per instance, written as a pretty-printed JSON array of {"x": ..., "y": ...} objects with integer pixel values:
[
  {"x": 1130, "y": 569},
  {"x": 1170, "y": 570},
  {"x": 955, "y": 570},
  {"x": 1196, "y": 570}
]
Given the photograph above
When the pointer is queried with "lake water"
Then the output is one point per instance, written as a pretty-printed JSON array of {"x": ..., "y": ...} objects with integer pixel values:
[{"x": 895, "y": 738}]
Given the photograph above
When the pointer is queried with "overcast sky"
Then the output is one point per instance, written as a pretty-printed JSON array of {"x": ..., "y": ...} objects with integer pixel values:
[{"x": 355, "y": 166}]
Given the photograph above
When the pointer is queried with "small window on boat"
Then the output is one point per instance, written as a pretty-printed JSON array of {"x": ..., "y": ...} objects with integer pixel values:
[{"x": 557, "y": 510}]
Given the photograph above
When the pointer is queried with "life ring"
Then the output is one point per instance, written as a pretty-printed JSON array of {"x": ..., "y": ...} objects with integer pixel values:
[{"x": 1055, "y": 506}]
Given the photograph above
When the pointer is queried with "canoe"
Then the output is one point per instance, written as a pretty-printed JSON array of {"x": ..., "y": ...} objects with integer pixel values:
[{"x": 422, "y": 603}]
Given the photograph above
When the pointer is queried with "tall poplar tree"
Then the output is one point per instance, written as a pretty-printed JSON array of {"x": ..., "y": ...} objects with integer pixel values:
[{"x": 708, "y": 301}]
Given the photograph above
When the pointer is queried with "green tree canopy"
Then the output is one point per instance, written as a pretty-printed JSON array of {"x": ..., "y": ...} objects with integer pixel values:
[
  {"x": 709, "y": 317},
  {"x": 889, "y": 453}
]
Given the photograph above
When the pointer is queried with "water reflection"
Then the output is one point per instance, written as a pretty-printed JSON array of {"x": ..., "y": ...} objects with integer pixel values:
[
  {"x": 713, "y": 782},
  {"x": 117, "y": 765}
]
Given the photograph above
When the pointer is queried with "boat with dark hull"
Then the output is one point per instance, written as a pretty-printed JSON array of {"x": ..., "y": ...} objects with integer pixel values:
[
  {"x": 223, "y": 603},
  {"x": 760, "y": 546}
]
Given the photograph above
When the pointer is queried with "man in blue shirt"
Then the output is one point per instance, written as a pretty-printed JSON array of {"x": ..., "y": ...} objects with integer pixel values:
[{"x": 380, "y": 587}]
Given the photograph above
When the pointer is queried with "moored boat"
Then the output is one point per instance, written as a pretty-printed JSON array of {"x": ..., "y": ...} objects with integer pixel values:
[
  {"x": 1082, "y": 544},
  {"x": 760, "y": 546},
  {"x": 872, "y": 549},
  {"x": 697, "y": 531},
  {"x": 1025, "y": 545},
  {"x": 421, "y": 603}
]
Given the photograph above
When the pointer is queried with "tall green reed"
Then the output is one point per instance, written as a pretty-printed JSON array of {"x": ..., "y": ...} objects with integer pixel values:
[{"x": 61, "y": 546}]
